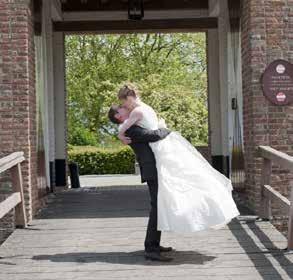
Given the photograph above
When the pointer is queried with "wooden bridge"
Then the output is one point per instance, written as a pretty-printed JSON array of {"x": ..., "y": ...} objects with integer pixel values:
[{"x": 98, "y": 233}]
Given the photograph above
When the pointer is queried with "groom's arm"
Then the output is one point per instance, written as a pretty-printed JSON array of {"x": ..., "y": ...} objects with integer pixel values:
[{"x": 138, "y": 134}]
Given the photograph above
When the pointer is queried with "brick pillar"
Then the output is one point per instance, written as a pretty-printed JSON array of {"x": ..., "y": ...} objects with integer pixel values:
[
  {"x": 267, "y": 34},
  {"x": 17, "y": 91}
]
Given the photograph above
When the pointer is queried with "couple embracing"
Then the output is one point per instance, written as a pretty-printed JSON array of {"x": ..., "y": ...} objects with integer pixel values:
[{"x": 187, "y": 193}]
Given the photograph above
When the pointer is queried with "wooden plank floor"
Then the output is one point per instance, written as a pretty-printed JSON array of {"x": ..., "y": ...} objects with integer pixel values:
[{"x": 94, "y": 233}]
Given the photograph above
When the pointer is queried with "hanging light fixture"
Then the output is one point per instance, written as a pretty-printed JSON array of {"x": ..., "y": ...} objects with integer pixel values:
[{"x": 135, "y": 9}]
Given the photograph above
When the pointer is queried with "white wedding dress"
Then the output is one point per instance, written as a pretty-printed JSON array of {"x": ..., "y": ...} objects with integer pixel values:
[{"x": 192, "y": 195}]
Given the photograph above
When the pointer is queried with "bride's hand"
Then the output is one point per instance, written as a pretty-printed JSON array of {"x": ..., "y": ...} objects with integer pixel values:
[
  {"x": 125, "y": 140},
  {"x": 162, "y": 123}
]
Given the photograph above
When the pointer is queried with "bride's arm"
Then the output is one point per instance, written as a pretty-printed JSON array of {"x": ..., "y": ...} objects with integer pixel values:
[{"x": 134, "y": 117}]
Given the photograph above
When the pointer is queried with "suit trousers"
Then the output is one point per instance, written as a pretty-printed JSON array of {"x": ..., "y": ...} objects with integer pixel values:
[{"x": 153, "y": 236}]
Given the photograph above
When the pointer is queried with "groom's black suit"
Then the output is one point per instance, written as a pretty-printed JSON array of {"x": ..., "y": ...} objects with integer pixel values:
[{"x": 140, "y": 137}]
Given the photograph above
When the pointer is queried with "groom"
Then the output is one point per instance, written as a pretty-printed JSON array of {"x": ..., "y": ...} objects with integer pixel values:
[{"x": 138, "y": 139}]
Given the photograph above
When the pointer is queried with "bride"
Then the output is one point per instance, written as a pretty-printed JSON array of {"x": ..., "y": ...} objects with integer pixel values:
[{"x": 192, "y": 195}]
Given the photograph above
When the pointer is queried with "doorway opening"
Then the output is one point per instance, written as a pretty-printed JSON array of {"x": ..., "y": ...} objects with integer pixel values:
[{"x": 170, "y": 72}]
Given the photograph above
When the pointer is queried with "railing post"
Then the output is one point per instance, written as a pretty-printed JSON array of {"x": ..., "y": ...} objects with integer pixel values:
[
  {"x": 290, "y": 223},
  {"x": 20, "y": 216},
  {"x": 265, "y": 204}
]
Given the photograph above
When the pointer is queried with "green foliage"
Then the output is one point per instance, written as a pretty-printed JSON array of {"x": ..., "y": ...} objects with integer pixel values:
[
  {"x": 93, "y": 160},
  {"x": 169, "y": 69},
  {"x": 180, "y": 107},
  {"x": 82, "y": 136}
]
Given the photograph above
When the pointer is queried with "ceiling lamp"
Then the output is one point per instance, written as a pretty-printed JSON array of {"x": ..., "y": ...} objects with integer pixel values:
[{"x": 135, "y": 9}]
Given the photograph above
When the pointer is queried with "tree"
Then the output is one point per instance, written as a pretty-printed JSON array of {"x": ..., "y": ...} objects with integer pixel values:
[{"x": 169, "y": 69}]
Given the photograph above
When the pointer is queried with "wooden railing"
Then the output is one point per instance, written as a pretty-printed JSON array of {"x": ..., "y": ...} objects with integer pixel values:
[
  {"x": 16, "y": 199},
  {"x": 271, "y": 156}
]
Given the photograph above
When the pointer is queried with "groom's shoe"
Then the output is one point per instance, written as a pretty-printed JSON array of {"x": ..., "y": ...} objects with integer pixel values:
[
  {"x": 166, "y": 249},
  {"x": 155, "y": 256}
]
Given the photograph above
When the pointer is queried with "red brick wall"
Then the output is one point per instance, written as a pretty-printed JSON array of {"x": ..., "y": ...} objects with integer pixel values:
[
  {"x": 267, "y": 34},
  {"x": 17, "y": 86}
]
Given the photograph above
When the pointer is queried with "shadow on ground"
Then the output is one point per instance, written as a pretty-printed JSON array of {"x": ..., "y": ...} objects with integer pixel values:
[
  {"x": 98, "y": 203},
  {"x": 131, "y": 258},
  {"x": 261, "y": 257}
]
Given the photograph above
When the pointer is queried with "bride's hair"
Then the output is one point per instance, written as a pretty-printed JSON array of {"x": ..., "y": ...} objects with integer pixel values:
[{"x": 128, "y": 90}]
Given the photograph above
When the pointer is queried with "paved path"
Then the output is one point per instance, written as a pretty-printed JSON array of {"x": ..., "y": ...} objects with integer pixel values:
[
  {"x": 97, "y": 233},
  {"x": 110, "y": 180}
]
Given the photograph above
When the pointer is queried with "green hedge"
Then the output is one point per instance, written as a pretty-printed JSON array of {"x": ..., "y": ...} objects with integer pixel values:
[{"x": 94, "y": 160}]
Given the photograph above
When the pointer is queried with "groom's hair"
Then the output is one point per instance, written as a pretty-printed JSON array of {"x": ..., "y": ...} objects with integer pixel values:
[{"x": 112, "y": 112}]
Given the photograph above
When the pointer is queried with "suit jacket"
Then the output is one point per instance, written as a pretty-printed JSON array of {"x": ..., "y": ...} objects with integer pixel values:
[{"x": 140, "y": 137}]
